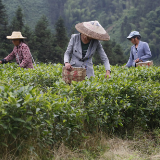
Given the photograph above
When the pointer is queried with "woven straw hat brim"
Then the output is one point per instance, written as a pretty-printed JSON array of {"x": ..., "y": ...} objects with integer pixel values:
[
  {"x": 16, "y": 35},
  {"x": 10, "y": 37},
  {"x": 82, "y": 29}
]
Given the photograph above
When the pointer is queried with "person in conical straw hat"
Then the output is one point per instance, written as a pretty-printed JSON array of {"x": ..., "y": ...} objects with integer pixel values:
[
  {"x": 20, "y": 51},
  {"x": 82, "y": 47}
]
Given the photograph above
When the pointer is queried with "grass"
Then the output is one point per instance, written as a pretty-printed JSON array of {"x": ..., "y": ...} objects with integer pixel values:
[
  {"x": 142, "y": 146},
  {"x": 115, "y": 148}
]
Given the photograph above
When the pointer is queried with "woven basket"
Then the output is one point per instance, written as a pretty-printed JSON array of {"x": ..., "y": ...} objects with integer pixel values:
[
  {"x": 76, "y": 74},
  {"x": 147, "y": 63}
]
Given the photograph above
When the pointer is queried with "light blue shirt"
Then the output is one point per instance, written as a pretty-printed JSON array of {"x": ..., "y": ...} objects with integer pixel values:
[{"x": 143, "y": 53}]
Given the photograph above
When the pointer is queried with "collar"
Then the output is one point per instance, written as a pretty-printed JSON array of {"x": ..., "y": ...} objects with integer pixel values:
[
  {"x": 138, "y": 45},
  {"x": 19, "y": 46}
]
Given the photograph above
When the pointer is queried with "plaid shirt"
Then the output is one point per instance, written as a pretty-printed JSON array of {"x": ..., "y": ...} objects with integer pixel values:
[{"x": 22, "y": 54}]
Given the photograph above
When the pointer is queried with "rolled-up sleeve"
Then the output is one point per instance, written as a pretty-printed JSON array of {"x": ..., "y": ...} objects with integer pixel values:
[
  {"x": 69, "y": 50},
  {"x": 26, "y": 56},
  {"x": 103, "y": 56},
  {"x": 147, "y": 52}
]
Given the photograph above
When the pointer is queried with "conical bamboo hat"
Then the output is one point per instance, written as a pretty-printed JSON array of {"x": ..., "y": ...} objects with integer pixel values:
[{"x": 93, "y": 29}]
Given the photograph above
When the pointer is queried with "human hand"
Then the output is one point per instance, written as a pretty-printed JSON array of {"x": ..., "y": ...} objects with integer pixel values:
[
  {"x": 137, "y": 60},
  {"x": 0, "y": 62},
  {"x": 68, "y": 66},
  {"x": 107, "y": 74},
  {"x": 123, "y": 66}
]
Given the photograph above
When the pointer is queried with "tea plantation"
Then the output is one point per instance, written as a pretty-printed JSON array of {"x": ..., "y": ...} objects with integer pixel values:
[{"x": 37, "y": 106}]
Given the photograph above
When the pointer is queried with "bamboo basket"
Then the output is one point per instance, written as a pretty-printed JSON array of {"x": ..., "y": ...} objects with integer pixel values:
[
  {"x": 76, "y": 74},
  {"x": 147, "y": 63}
]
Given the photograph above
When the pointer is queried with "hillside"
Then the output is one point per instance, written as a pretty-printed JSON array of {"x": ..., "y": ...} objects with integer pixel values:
[
  {"x": 72, "y": 11},
  {"x": 121, "y": 16},
  {"x": 32, "y": 10}
]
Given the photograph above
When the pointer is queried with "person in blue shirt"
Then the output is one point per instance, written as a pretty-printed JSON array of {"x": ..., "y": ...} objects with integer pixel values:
[{"x": 140, "y": 51}]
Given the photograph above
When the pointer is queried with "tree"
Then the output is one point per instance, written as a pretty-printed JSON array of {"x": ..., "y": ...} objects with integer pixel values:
[
  {"x": 61, "y": 35},
  {"x": 120, "y": 58},
  {"x": 17, "y": 23},
  {"x": 3, "y": 30},
  {"x": 27, "y": 32},
  {"x": 60, "y": 40},
  {"x": 43, "y": 41}
]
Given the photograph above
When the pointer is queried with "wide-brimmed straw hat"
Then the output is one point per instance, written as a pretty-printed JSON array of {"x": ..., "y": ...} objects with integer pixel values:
[
  {"x": 93, "y": 29},
  {"x": 16, "y": 35}
]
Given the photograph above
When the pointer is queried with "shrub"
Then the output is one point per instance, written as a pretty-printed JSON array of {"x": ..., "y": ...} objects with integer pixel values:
[{"x": 38, "y": 105}]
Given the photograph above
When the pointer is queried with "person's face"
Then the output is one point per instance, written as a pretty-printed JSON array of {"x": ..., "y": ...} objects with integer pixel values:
[
  {"x": 86, "y": 38},
  {"x": 16, "y": 42},
  {"x": 134, "y": 40}
]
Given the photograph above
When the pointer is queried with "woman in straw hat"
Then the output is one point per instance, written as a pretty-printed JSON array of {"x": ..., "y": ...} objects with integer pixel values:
[
  {"x": 21, "y": 51},
  {"x": 140, "y": 51},
  {"x": 82, "y": 47}
]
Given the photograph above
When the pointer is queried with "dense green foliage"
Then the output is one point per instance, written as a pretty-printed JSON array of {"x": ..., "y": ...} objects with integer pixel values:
[{"x": 37, "y": 105}]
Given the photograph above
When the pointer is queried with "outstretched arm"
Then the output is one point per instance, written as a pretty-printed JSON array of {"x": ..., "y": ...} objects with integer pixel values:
[
  {"x": 103, "y": 56},
  {"x": 10, "y": 57},
  {"x": 3, "y": 61},
  {"x": 104, "y": 59}
]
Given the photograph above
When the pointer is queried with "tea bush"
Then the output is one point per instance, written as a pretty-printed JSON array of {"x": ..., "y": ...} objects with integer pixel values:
[{"x": 37, "y": 105}]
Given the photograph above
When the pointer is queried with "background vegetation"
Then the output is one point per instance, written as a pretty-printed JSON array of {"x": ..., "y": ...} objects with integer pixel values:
[
  {"x": 119, "y": 17},
  {"x": 47, "y": 46}
]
